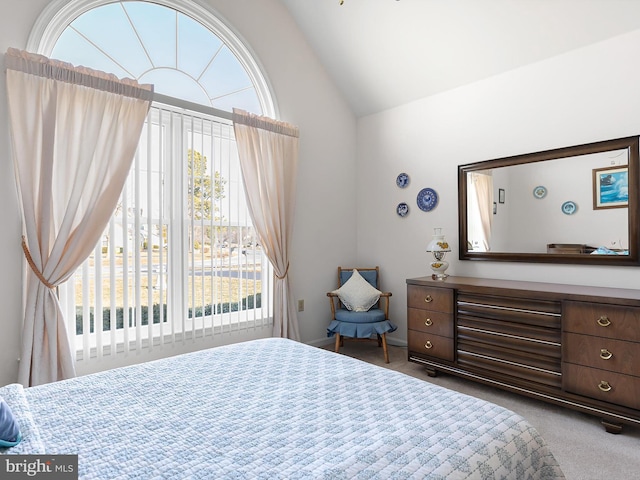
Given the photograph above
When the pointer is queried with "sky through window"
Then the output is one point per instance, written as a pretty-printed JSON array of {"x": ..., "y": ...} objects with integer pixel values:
[{"x": 156, "y": 44}]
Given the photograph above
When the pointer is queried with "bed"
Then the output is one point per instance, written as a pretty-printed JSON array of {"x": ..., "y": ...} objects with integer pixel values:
[{"x": 273, "y": 409}]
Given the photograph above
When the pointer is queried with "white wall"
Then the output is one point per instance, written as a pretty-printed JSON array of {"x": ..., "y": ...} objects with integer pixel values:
[
  {"x": 584, "y": 96},
  {"x": 325, "y": 231},
  {"x": 534, "y": 223}
]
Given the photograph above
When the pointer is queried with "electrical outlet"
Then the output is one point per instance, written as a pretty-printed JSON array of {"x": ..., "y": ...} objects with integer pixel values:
[{"x": 301, "y": 305}]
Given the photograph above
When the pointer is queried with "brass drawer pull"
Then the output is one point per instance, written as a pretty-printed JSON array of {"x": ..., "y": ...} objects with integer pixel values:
[
  {"x": 428, "y": 322},
  {"x": 428, "y": 344},
  {"x": 428, "y": 299},
  {"x": 605, "y": 354},
  {"x": 604, "y": 321},
  {"x": 604, "y": 386}
]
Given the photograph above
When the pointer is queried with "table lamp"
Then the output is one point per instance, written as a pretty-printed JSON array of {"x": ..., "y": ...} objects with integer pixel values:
[{"x": 439, "y": 247}]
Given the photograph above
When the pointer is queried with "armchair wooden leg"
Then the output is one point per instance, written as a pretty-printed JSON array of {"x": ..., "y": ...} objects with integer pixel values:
[
  {"x": 384, "y": 347},
  {"x": 337, "y": 349}
]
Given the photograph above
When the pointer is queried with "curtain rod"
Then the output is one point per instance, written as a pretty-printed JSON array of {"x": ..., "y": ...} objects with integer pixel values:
[{"x": 196, "y": 107}]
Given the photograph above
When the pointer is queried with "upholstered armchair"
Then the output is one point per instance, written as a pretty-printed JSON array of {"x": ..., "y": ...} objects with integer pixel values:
[{"x": 359, "y": 310}]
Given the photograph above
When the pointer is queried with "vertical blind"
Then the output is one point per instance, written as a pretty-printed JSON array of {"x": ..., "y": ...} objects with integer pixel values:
[{"x": 179, "y": 261}]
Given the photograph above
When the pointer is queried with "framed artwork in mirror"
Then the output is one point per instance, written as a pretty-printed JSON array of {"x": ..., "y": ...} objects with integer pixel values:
[{"x": 610, "y": 187}]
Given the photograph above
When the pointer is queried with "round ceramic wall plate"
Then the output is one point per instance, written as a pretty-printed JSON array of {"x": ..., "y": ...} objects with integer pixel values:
[
  {"x": 427, "y": 199},
  {"x": 569, "y": 208},
  {"x": 402, "y": 209},
  {"x": 540, "y": 192},
  {"x": 403, "y": 180}
]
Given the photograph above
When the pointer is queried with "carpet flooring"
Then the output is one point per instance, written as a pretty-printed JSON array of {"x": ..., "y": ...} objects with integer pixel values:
[{"x": 584, "y": 450}]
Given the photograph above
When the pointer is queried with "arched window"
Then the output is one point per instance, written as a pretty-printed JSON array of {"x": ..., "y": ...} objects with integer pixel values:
[
  {"x": 179, "y": 46},
  {"x": 180, "y": 260}
]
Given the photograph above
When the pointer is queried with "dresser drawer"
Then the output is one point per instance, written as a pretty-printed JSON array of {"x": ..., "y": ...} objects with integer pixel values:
[
  {"x": 602, "y": 320},
  {"x": 436, "y": 323},
  {"x": 602, "y": 385},
  {"x": 603, "y": 353},
  {"x": 431, "y": 345},
  {"x": 437, "y": 299}
]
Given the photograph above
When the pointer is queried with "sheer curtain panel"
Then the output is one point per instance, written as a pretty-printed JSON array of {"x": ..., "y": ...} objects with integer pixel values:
[
  {"x": 483, "y": 185},
  {"x": 74, "y": 133},
  {"x": 268, "y": 152}
]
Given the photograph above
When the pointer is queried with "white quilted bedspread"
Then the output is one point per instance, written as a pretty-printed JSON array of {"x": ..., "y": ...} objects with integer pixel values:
[{"x": 274, "y": 409}]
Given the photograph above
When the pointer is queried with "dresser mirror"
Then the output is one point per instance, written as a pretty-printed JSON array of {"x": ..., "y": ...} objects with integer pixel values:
[{"x": 576, "y": 205}]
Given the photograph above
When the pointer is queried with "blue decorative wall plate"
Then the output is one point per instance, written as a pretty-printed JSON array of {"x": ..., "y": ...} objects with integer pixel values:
[
  {"x": 569, "y": 208},
  {"x": 403, "y": 180},
  {"x": 539, "y": 191},
  {"x": 402, "y": 209},
  {"x": 427, "y": 199}
]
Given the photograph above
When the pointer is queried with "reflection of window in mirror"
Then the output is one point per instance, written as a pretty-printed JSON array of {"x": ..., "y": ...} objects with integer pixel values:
[{"x": 479, "y": 211}]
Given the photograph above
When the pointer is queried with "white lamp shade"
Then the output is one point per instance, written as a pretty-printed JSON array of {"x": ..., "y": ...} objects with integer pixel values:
[{"x": 438, "y": 243}]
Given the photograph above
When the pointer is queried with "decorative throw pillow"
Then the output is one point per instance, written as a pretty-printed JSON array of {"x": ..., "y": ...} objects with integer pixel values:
[
  {"x": 357, "y": 294},
  {"x": 9, "y": 432}
]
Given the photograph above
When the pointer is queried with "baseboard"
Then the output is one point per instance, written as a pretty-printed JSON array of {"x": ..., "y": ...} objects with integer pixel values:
[
  {"x": 323, "y": 342},
  {"x": 397, "y": 342}
]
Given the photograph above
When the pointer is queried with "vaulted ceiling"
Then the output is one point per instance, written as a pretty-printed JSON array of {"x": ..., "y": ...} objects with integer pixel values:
[{"x": 384, "y": 53}]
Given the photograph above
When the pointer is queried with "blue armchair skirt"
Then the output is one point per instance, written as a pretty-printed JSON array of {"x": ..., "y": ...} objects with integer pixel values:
[{"x": 360, "y": 324}]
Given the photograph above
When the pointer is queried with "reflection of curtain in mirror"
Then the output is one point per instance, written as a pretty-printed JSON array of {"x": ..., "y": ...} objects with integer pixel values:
[{"x": 480, "y": 212}]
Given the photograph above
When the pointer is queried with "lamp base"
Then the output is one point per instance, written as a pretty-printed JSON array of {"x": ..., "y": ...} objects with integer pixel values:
[{"x": 439, "y": 267}]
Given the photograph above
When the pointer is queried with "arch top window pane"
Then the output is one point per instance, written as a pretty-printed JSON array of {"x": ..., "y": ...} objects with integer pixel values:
[
  {"x": 246, "y": 100},
  {"x": 156, "y": 29},
  {"x": 224, "y": 75},
  {"x": 176, "y": 84},
  {"x": 73, "y": 48},
  {"x": 196, "y": 60},
  {"x": 109, "y": 30},
  {"x": 153, "y": 43}
]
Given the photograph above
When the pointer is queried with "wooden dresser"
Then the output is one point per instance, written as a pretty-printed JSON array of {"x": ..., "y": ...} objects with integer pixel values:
[{"x": 570, "y": 345}]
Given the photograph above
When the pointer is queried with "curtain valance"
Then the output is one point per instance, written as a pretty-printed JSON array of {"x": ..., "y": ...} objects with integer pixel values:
[
  {"x": 264, "y": 123},
  {"x": 34, "y": 64}
]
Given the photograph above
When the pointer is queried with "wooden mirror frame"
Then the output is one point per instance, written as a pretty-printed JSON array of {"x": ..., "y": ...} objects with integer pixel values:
[{"x": 631, "y": 144}]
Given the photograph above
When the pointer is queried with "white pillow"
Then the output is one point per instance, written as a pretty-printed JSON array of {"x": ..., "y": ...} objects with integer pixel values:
[{"x": 357, "y": 294}]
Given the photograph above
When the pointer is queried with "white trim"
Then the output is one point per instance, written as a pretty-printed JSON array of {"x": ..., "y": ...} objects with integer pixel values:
[{"x": 58, "y": 14}]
